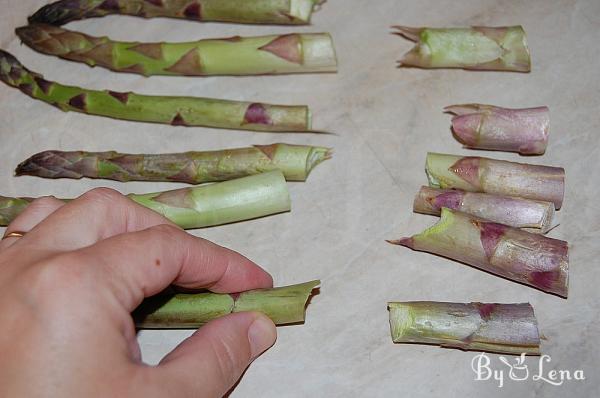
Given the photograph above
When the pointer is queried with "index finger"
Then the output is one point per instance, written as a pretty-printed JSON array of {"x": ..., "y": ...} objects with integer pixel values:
[{"x": 141, "y": 264}]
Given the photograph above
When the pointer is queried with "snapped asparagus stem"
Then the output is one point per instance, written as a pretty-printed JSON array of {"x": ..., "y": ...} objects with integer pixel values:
[
  {"x": 291, "y": 53},
  {"x": 284, "y": 305},
  {"x": 478, "y": 48},
  {"x": 295, "y": 161},
  {"x": 478, "y": 174},
  {"x": 518, "y": 255},
  {"x": 480, "y": 126},
  {"x": 499, "y": 328},
  {"x": 204, "y": 206},
  {"x": 177, "y": 111},
  {"x": 516, "y": 212},
  {"x": 283, "y": 12}
]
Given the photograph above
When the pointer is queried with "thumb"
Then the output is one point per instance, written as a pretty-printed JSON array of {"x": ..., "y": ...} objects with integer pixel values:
[{"x": 209, "y": 362}]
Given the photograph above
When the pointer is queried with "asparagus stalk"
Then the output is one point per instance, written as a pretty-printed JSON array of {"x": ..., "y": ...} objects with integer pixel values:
[
  {"x": 500, "y": 328},
  {"x": 295, "y": 161},
  {"x": 179, "y": 111},
  {"x": 284, "y": 305},
  {"x": 204, "y": 206},
  {"x": 521, "y": 256},
  {"x": 478, "y": 174},
  {"x": 512, "y": 211},
  {"x": 477, "y": 48},
  {"x": 284, "y": 12},
  {"x": 490, "y": 127},
  {"x": 292, "y": 53}
]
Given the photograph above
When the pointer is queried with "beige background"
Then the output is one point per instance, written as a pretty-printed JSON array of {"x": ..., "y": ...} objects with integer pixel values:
[{"x": 386, "y": 119}]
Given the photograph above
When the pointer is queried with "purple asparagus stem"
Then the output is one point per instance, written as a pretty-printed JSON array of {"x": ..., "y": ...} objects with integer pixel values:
[
  {"x": 515, "y": 212},
  {"x": 521, "y": 256},
  {"x": 480, "y": 126}
]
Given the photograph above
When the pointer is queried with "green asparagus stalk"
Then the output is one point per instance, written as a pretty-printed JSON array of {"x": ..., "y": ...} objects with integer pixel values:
[
  {"x": 500, "y": 328},
  {"x": 178, "y": 111},
  {"x": 291, "y": 53},
  {"x": 478, "y": 48},
  {"x": 295, "y": 161},
  {"x": 204, "y": 206},
  {"x": 283, "y": 12},
  {"x": 479, "y": 174},
  {"x": 524, "y": 257},
  {"x": 284, "y": 305}
]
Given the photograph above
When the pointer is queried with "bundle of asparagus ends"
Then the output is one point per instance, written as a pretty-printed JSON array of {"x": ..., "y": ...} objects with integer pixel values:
[
  {"x": 477, "y": 48},
  {"x": 284, "y": 305},
  {"x": 284, "y": 12},
  {"x": 178, "y": 111},
  {"x": 291, "y": 53},
  {"x": 532, "y": 215},
  {"x": 295, "y": 161},
  {"x": 203, "y": 206},
  {"x": 499, "y": 328},
  {"x": 515, "y": 254},
  {"x": 479, "y": 174},
  {"x": 480, "y": 126}
]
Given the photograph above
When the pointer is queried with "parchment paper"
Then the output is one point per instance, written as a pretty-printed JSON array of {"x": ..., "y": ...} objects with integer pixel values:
[{"x": 385, "y": 120}]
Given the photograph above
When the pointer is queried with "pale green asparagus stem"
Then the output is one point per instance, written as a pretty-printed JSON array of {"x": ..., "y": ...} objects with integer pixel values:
[
  {"x": 284, "y": 12},
  {"x": 479, "y": 48},
  {"x": 502, "y": 328},
  {"x": 295, "y": 161},
  {"x": 284, "y": 305},
  {"x": 291, "y": 53},
  {"x": 204, "y": 206},
  {"x": 179, "y": 111}
]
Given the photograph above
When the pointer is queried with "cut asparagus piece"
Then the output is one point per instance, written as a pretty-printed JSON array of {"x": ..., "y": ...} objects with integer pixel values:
[
  {"x": 500, "y": 328},
  {"x": 284, "y": 305},
  {"x": 295, "y": 161},
  {"x": 478, "y": 48},
  {"x": 178, "y": 111},
  {"x": 518, "y": 255},
  {"x": 204, "y": 206},
  {"x": 508, "y": 210},
  {"x": 480, "y": 126},
  {"x": 283, "y": 12},
  {"x": 479, "y": 174},
  {"x": 291, "y": 53}
]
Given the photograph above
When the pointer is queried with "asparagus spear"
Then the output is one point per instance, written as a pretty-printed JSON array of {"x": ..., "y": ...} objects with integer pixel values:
[
  {"x": 501, "y": 328},
  {"x": 295, "y": 161},
  {"x": 508, "y": 210},
  {"x": 284, "y": 305},
  {"x": 284, "y": 12},
  {"x": 490, "y": 127},
  {"x": 478, "y": 48},
  {"x": 180, "y": 111},
  {"x": 292, "y": 53},
  {"x": 521, "y": 256},
  {"x": 204, "y": 206},
  {"x": 478, "y": 174}
]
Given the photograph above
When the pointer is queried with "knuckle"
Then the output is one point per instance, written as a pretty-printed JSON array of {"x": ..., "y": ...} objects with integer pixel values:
[
  {"x": 60, "y": 273},
  {"x": 45, "y": 202},
  {"x": 102, "y": 198},
  {"x": 229, "y": 362},
  {"x": 165, "y": 233}
]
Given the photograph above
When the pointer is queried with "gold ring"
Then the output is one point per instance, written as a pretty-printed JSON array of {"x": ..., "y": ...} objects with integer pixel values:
[{"x": 14, "y": 234}]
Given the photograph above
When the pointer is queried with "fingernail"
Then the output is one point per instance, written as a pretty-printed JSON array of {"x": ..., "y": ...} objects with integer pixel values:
[{"x": 261, "y": 335}]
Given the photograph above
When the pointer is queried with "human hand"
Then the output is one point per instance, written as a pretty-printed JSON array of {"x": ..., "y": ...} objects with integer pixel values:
[{"x": 68, "y": 286}]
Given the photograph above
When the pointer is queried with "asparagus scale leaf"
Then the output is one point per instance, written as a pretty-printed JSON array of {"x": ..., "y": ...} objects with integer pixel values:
[
  {"x": 479, "y": 174},
  {"x": 521, "y": 256},
  {"x": 295, "y": 161},
  {"x": 509, "y": 210},
  {"x": 203, "y": 206},
  {"x": 291, "y": 53},
  {"x": 284, "y": 12},
  {"x": 177, "y": 111},
  {"x": 284, "y": 305},
  {"x": 490, "y": 127},
  {"x": 500, "y": 328},
  {"x": 478, "y": 48}
]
